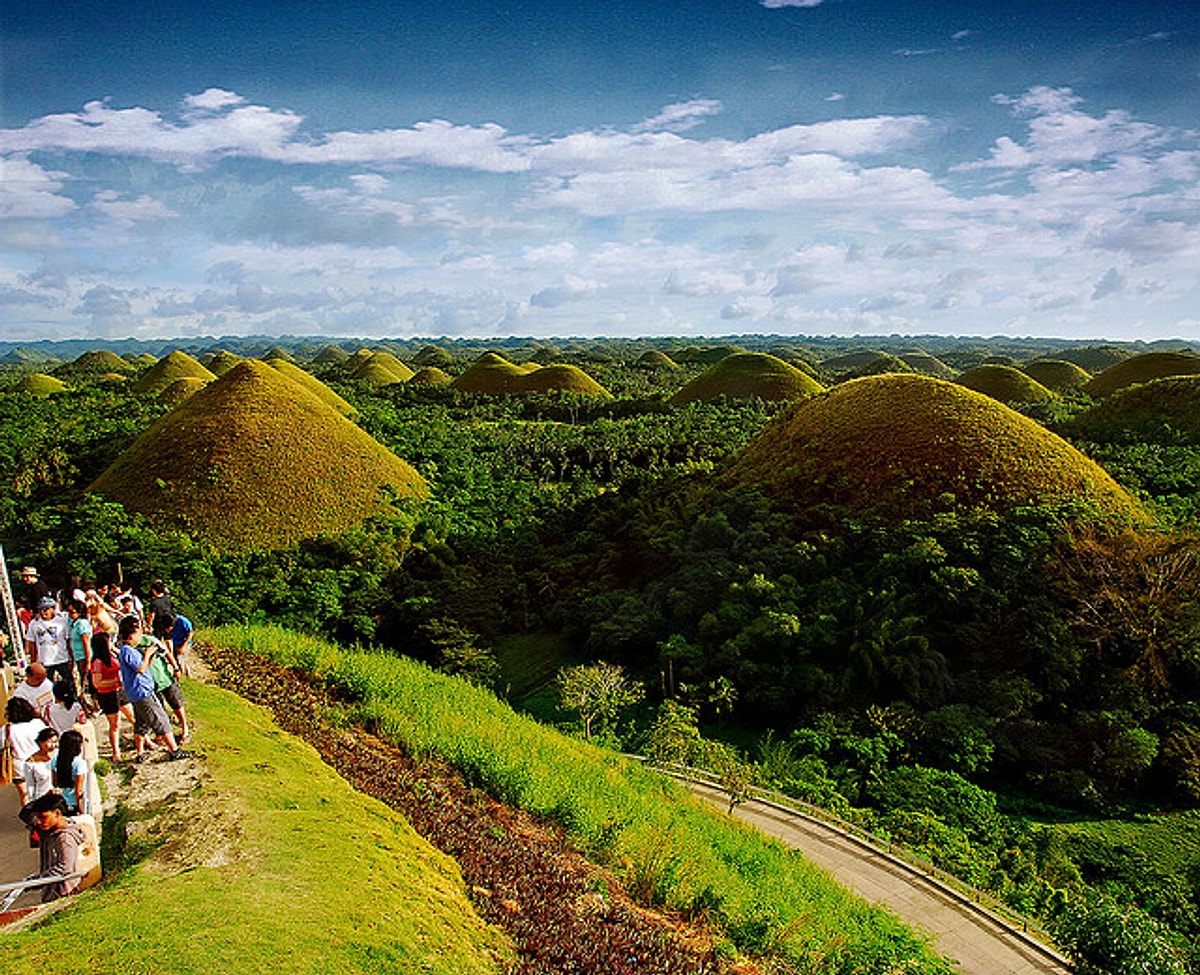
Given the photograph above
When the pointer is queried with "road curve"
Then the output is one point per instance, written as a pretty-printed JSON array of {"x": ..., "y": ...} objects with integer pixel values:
[{"x": 961, "y": 931}]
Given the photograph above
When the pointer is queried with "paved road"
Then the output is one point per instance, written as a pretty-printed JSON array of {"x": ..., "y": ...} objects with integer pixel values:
[{"x": 980, "y": 945}]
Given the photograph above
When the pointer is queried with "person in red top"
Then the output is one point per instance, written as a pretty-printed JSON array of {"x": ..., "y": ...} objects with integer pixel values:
[{"x": 110, "y": 692}]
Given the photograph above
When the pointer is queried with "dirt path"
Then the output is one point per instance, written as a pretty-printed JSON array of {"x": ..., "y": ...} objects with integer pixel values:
[{"x": 979, "y": 945}]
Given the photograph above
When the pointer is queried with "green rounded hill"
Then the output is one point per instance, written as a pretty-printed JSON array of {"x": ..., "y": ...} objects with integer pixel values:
[
  {"x": 39, "y": 384},
  {"x": 95, "y": 362},
  {"x": 181, "y": 389},
  {"x": 491, "y": 373},
  {"x": 256, "y": 461},
  {"x": 429, "y": 376},
  {"x": 1163, "y": 410},
  {"x": 896, "y": 443},
  {"x": 433, "y": 355},
  {"x": 1005, "y": 383},
  {"x": 749, "y": 374},
  {"x": 655, "y": 359},
  {"x": 928, "y": 364},
  {"x": 221, "y": 361},
  {"x": 562, "y": 378},
  {"x": 312, "y": 384},
  {"x": 1142, "y": 369},
  {"x": 1058, "y": 375},
  {"x": 176, "y": 365},
  {"x": 1094, "y": 358},
  {"x": 331, "y": 355}
]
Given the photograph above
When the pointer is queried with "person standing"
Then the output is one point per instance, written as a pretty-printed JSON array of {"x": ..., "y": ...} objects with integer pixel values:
[
  {"x": 181, "y": 642},
  {"x": 31, "y": 592},
  {"x": 47, "y": 640},
  {"x": 150, "y": 717},
  {"x": 162, "y": 610},
  {"x": 37, "y": 689},
  {"x": 80, "y": 639}
]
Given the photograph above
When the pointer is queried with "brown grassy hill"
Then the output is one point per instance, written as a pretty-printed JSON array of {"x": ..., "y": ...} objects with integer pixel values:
[
  {"x": 95, "y": 362},
  {"x": 1163, "y": 410},
  {"x": 562, "y": 378},
  {"x": 354, "y": 361},
  {"x": 895, "y": 443},
  {"x": 182, "y": 389},
  {"x": 312, "y": 384},
  {"x": 491, "y": 373},
  {"x": 176, "y": 365},
  {"x": 393, "y": 365},
  {"x": 1058, "y": 375},
  {"x": 141, "y": 360},
  {"x": 255, "y": 460},
  {"x": 654, "y": 359},
  {"x": 221, "y": 361},
  {"x": 928, "y": 364},
  {"x": 1005, "y": 383},
  {"x": 278, "y": 352},
  {"x": 1142, "y": 369},
  {"x": 376, "y": 372},
  {"x": 747, "y": 374},
  {"x": 429, "y": 376},
  {"x": 39, "y": 384}
]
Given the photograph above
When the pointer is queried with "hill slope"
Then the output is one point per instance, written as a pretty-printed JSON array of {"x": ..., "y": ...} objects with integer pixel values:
[
  {"x": 743, "y": 375},
  {"x": 902, "y": 441},
  {"x": 255, "y": 460}
]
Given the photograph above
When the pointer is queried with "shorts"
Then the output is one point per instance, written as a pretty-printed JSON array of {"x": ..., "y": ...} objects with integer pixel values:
[
  {"x": 172, "y": 696},
  {"x": 149, "y": 718},
  {"x": 112, "y": 701}
]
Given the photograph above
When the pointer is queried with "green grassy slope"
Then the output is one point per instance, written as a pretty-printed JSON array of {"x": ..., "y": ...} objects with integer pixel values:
[
  {"x": 303, "y": 874},
  {"x": 634, "y": 818}
]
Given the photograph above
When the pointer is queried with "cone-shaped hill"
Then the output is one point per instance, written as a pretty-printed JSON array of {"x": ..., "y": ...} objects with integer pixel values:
[
  {"x": 747, "y": 374},
  {"x": 1005, "y": 383},
  {"x": 1164, "y": 410},
  {"x": 331, "y": 355},
  {"x": 895, "y": 443},
  {"x": 221, "y": 361},
  {"x": 433, "y": 355},
  {"x": 181, "y": 389},
  {"x": 39, "y": 384},
  {"x": 1058, "y": 375},
  {"x": 176, "y": 365},
  {"x": 562, "y": 378},
  {"x": 429, "y": 376},
  {"x": 1094, "y": 358},
  {"x": 655, "y": 359},
  {"x": 930, "y": 365},
  {"x": 95, "y": 362},
  {"x": 850, "y": 360},
  {"x": 382, "y": 369},
  {"x": 312, "y": 384},
  {"x": 255, "y": 460},
  {"x": 1142, "y": 369}
]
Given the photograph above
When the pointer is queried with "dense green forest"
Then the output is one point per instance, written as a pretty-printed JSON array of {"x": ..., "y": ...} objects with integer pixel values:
[{"x": 983, "y": 684}]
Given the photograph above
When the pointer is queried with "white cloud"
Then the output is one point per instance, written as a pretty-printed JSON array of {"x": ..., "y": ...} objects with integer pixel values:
[
  {"x": 782, "y": 4},
  {"x": 109, "y": 204},
  {"x": 27, "y": 191},
  {"x": 681, "y": 116}
]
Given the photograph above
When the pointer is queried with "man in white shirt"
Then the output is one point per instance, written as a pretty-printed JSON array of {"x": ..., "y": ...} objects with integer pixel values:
[
  {"x": 37, "y": 689},
  {"x": 47, "y": 639}
]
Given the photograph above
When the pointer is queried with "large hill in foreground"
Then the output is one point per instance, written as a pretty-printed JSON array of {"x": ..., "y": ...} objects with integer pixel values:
[
  {"x": 903, "y": 441},
  {"x": 255, "y": 460}
]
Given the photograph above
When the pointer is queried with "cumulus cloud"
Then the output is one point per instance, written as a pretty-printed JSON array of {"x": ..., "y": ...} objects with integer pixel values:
[
  {"x": 109, "y": 204},
  {"x": 572, "y": 289},
  {"x": 781, "y": 4},
  {"x": 1112, "y": 282},
  {"x": 27, "y": 191}
]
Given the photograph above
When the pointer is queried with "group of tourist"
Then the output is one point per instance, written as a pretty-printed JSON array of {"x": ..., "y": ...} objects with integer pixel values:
[{"x": 89, "y": 651}]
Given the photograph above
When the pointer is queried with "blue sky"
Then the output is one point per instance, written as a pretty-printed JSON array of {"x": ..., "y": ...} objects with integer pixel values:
[{"x": 404, "y": 169}]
